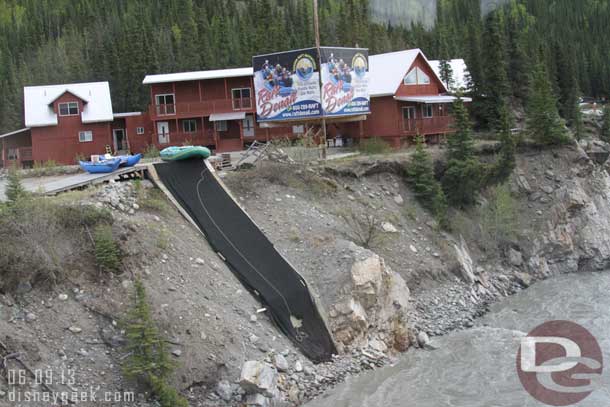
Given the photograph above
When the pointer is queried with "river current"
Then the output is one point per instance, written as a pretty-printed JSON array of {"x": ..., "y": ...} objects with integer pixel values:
[{"x": 477, "y": 367}]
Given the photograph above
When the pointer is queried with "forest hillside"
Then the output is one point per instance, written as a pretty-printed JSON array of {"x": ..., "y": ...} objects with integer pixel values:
[{"x": 60, "y": 41}]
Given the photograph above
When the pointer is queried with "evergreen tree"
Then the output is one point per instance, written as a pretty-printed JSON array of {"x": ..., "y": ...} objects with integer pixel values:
[
  {"x": 425, "y": 186},
  {"x": 543, "y": 121},
  {"x": 605, "y": 135},
  {"x": 14, "y": 190},
  {"x": 504, "y": 166},
  {"x": 446, "y": 72},
  {"x": 148, "y": 357},
  {"x": 463, "y": 176},
  {"x": 496, "y": 87}
]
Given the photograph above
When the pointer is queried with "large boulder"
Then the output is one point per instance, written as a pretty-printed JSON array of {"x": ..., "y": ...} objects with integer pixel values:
[
  {"x": 372, "y": 306},
  {"x": 464, "y": 264},
  {"x": 258, "y": 378}
]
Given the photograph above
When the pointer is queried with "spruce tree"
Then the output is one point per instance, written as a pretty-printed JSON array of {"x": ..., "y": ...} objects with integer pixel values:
[
  {"x": 496, "y": 86},
  {"x": 148, "y": 357},
  {"x": 544, "y": 124},
  {"x": 605, "y": 135},
  {"x": 446, "y": 72},
  {"x": 463, "y": 176},
  {"x": 15, "y": 192},
  {"x": 427, "y": 189},
  {"x": 505, "y": 164}
]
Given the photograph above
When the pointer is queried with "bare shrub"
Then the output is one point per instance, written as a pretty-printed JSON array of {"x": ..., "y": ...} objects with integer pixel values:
[{"x": 362, "y": 229}]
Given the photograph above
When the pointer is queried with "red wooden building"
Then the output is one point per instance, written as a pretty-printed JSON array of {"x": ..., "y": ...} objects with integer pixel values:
[
  {"x": 217, "y": 109},
  {"x": 407, "y": 98},
  {"x": 67, "y": 122},
  {"x": 211, "y": 108}
]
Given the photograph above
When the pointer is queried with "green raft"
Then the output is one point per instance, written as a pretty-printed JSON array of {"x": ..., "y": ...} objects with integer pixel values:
[{"x": 184, "y": 153}]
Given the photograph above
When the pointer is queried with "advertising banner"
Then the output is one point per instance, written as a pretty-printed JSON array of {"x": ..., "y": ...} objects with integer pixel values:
[
  {"x": 345, "y": 81},
  {"x": 287, "y": 85}
]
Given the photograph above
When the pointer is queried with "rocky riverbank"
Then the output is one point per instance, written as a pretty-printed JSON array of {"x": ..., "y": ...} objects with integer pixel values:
[{"x": 385, "y": 277}]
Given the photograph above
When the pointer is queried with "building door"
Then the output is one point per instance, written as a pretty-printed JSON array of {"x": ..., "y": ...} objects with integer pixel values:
[
  {"x": 118, "y": 136},
  {"x": 408, "y": 118},
  {"x": 163, "y": 132},
  {"x": 248, "y": 126}
]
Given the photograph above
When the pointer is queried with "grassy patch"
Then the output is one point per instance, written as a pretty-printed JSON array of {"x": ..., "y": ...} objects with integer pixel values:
[
  {"x": 107, "y": 253},
  {"x": 152, "y": 199},
  {"x": 43, "y": 240},
  {"x": 372, "y": 146},
  {"x": 151, "y": 151}
]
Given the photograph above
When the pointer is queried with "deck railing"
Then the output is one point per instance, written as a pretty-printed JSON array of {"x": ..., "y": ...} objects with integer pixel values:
[
  {"x": 431, "y": 125},
  {"x": 201, "y": 109}
]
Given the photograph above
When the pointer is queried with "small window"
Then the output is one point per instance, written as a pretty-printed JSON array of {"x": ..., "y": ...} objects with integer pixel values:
[
  {"x": 13, "y": 154},
  {"x": 139, "y": 130},
  {"x": 428, "y": 111},
  {"x": 241, "y": 98},
  {"x": 68, "y": 109},
  {"x": 85, "y": 136},
  {"x": 300, "y": 129},
  {"x": 189, "y": 126},
  {"x": 221, "y": 125}
]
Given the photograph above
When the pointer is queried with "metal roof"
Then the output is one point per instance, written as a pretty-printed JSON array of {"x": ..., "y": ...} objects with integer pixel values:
[
  {"x": 430, "y": 99},
  {"x": 126, "y": 114},
  {"x": 12, "y": 133},
  {"x": 199, "y": 75},
  {"x": 39, "y": 113},
  {"x": 386, "y": 71},
  {"x": 216, "y": 117}
]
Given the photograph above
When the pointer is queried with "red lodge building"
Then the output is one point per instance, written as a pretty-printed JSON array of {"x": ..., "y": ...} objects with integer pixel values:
[{"x": 217, "y": 109}]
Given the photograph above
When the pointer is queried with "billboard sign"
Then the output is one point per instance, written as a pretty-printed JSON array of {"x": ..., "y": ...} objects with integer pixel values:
[
  {"x": 345, "y": 81},
  {"x": 286, "y": 85}
]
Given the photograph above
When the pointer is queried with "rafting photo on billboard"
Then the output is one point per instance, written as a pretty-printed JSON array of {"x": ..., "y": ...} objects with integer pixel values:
[
  {"x": 287, "y": 85},
  {"x": 345, "y": 81}
]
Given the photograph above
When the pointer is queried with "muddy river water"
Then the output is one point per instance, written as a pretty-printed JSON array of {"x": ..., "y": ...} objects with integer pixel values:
[{"x": 477, "y": 367}]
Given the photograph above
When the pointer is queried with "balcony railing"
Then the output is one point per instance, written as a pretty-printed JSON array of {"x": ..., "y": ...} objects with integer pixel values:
[
  {"x": 203, "y": 108},
  {"x": 431, "y": 125}
]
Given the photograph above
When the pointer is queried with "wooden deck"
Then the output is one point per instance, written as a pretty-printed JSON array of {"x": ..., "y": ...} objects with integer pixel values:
[{"x": 85, "y": 179}]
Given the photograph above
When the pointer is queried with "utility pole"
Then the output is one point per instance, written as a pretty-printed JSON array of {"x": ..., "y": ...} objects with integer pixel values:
[{"x": 316, "y": 30}]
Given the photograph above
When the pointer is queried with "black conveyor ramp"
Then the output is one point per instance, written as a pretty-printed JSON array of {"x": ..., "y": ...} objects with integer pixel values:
[{"x": 249, "y": 254}]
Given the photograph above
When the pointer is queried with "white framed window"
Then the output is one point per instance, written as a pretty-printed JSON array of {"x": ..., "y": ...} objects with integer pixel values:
[
  {"x": 139, "y": 130},
  {"x": 416, "y": 77},
  {"x": 165, "y": 103},
  {"x": 221, "y": 125},
  {"x": 241, "y": 98},
  {"x": 68, "y": 109},
  {"x": 411, "y": 78},
  {"x": 85, "y": 136},
  {"x": 427, "y": 111},
  {"x": 300, "y": 129},
  {"x": 189, "y": 126},
  {"x": 408, "y": 112}
]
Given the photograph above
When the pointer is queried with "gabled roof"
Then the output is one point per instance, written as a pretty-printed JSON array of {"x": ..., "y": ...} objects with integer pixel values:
[
  {"x": 38, "y": 100},
  {"x": 199, "y": 75},
  {"x": 386, "y": 71},
  {"x": 460, "y": 70}
]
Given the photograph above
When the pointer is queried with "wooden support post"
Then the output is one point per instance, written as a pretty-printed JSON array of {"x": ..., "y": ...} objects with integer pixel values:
[{"x": 316, "y": 29}]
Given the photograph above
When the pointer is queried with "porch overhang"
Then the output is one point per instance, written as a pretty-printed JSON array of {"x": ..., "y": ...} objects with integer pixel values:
[
  {"x": 217, "y": 117},
  {"x": 329, "y": 120},
  {"x": 430, "y": 99},
  {"x": 13, "y": 133}
]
